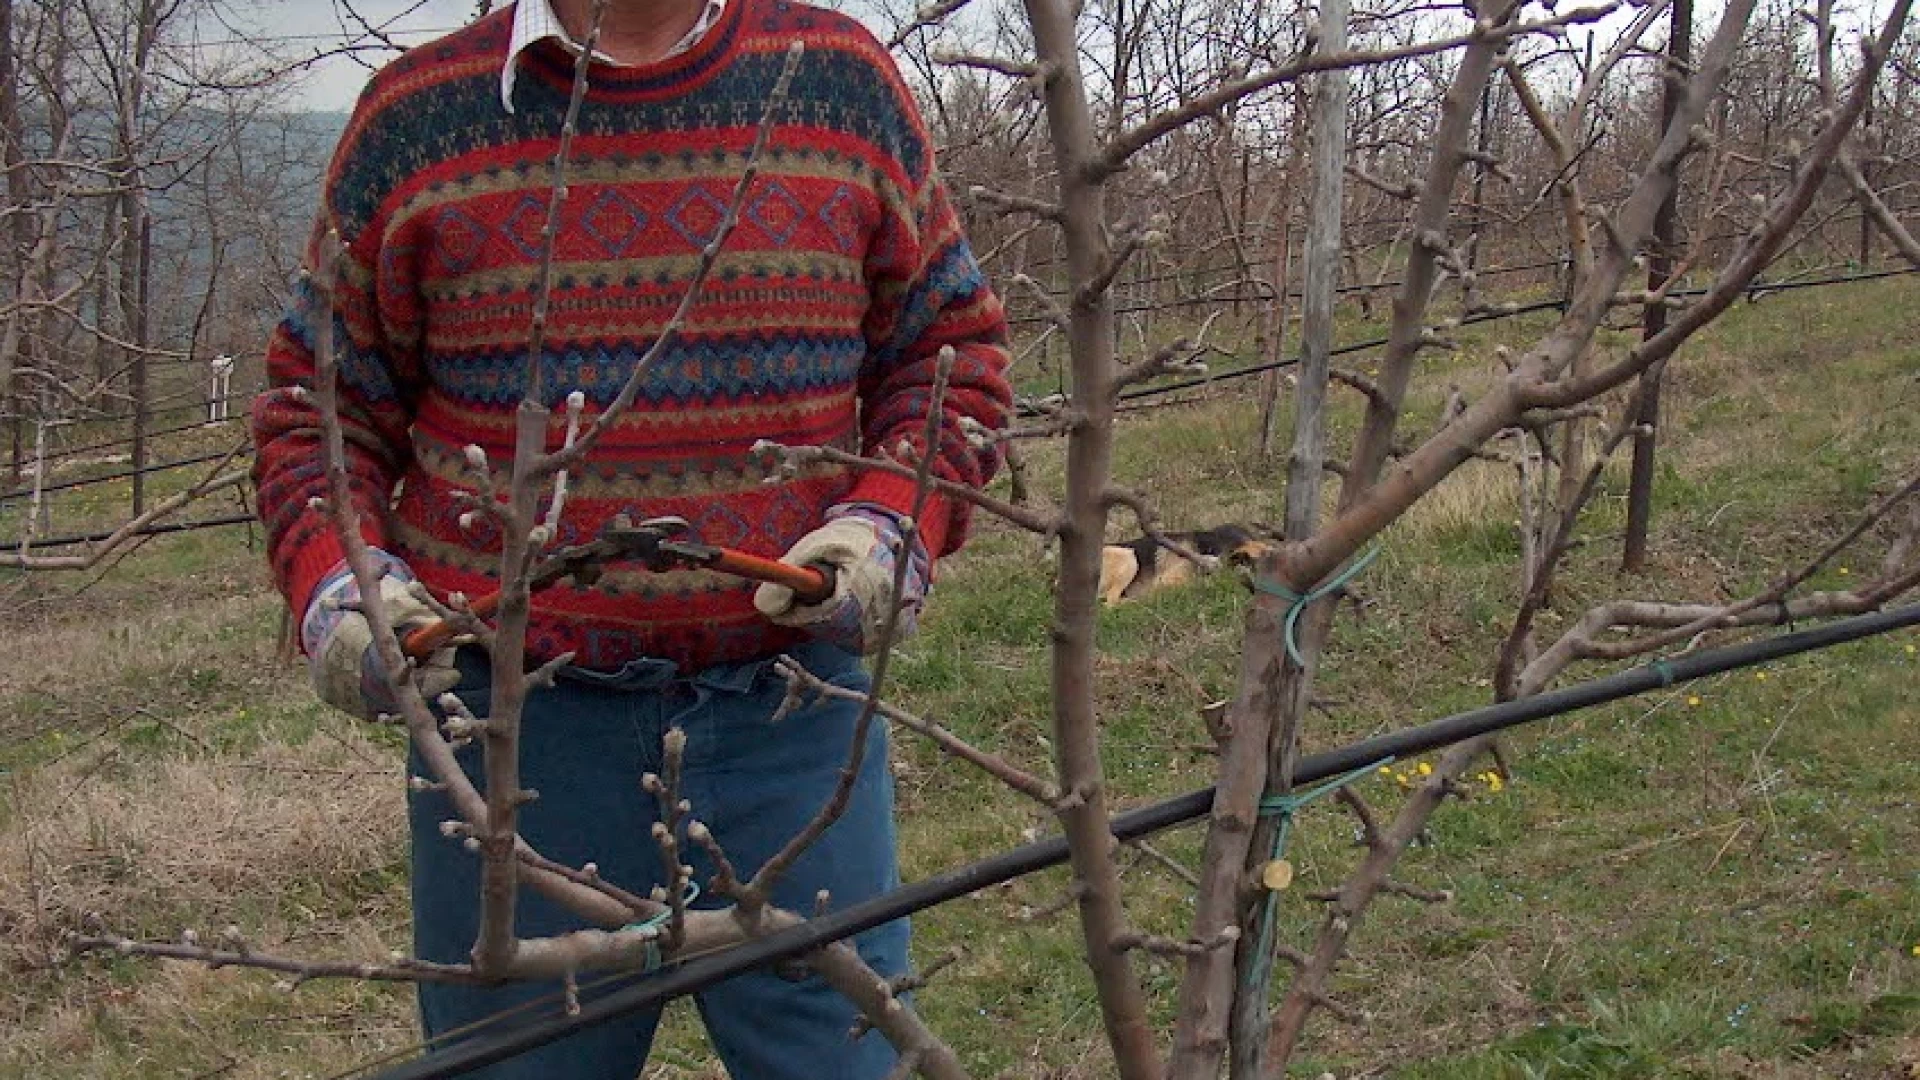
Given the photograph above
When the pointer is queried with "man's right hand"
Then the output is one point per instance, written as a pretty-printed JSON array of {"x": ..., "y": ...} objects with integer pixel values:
[{"x": 341, "y": 659}]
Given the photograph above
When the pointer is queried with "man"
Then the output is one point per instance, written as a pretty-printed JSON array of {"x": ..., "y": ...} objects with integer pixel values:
[{"x": 820, "y": 325}]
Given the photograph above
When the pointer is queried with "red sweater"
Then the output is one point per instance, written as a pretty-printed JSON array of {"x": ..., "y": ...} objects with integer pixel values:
[{"x": 818, "y": 326}]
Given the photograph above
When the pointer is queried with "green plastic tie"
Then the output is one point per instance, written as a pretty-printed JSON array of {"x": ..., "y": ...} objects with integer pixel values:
[
  {"x": 652, "y": 962},
  {"x": 1285, "y": 807},
  {"x": 1300, "y": 602}
]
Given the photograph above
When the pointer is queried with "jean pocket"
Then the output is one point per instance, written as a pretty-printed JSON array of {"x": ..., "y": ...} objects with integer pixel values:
[{"x": 833, "y": 665}]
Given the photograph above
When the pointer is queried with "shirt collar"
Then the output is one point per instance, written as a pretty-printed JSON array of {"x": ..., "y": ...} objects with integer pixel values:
[{"x": 534, "y": 21}]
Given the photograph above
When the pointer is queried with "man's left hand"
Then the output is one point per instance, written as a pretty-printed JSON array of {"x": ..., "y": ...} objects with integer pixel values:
[{"x": 859, "y": 543}]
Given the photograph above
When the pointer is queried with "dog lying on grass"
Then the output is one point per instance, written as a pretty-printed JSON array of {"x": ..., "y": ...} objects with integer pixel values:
[{"x": 1135, "y": 568}]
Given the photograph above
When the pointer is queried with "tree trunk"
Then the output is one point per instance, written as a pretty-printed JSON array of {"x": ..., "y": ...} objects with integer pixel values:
[
  {"x": 1090, "y": 339},
  {"x": 1646, "y": 417},
  {"x": 1306, "y": 468},
  {"x": 1283, "y": 267},
  {"x": 19, "y": 194},
  {"x": 141, "y": 403}
]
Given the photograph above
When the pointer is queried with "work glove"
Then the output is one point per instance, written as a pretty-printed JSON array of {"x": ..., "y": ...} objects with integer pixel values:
[
  {"x": 344, "y": 665},
  {"x": 858, "y": 543}
]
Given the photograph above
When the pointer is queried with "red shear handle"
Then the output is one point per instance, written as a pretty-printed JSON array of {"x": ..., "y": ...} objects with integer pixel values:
[
  {"x": 423, "y": 641},
  {"x": 810, "y": 584}
]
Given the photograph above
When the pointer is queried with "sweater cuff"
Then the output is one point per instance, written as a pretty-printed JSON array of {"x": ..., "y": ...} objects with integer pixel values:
[
  {"x": 317, "y": 559},
  {"x": 896, "y": 494}
]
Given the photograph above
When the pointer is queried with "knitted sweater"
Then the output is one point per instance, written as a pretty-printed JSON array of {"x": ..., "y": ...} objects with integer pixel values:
[{"x": 819, "y": 325}]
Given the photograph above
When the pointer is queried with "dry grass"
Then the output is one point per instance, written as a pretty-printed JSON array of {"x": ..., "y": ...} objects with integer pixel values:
[
  {"x": 1478, "y": 493},
  {"x": 286, "y": 842},
  {"x": 186, "y": 1021},
  {"x": 193, "y": 833},
  {"x": 160, "y": 640}
]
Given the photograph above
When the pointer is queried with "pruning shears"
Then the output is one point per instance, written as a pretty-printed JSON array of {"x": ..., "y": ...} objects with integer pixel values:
[{"x": 658, "y": 544}]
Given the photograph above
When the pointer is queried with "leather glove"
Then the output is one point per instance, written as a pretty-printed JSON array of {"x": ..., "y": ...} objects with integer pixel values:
[
  {"x": 341, "y": 660},
  {"x": 858, "y": 542}
]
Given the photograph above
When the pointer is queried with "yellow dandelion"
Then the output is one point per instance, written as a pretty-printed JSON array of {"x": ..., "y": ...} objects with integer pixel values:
[
  {"x": 1760, "y": 676},
  {"x": 1386, "y": 770},
  {"x": 1495, "y": 784},
  {"x": 1401, "y": 779},
  {"x": 1911, "y": 650},
  {"x": 1844, "y": 571},
  {"x": 1693, "y": 700},
  {"x": 1426, "y": 769},
  {"x": 1916, "y": 950}
]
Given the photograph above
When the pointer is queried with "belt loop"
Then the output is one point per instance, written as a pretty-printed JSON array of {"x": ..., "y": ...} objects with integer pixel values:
[{"x": 701, "y": 695}]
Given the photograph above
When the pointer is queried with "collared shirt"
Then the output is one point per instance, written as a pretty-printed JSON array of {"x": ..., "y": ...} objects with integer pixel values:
[{"x": 534, "y": 21}]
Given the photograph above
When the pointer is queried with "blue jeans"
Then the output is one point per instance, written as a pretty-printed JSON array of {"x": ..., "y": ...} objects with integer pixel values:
[{"x": 585, "y": 744}]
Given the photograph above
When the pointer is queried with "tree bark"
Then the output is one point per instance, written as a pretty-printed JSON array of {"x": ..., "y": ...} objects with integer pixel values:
[
  {"x": 1090, "y": 337},
  {"x": 1283, "y": 268},
  {"x": 1305, "y": 475},
  {"x": 1646, "y": 418}
]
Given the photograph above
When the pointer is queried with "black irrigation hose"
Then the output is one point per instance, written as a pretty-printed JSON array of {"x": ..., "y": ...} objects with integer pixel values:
[
  {"x": 158, "y": 466},
  {"x": 1761, "y": 289},
  {"x": 197, "y": 405},
  {"x": 151, "y": 530},
  {"x": 112, "y": 444},
  {"x": 1473, "y": 225},
  {"x": 1259, "y": 295},
  {"x": 1358, "y": 346},
  {"x": 1755, "y": 291},
  {"x": 705, "y": 971},
  {"x": 244, "y": 395},
  {"x": 1362, "y": 287}
]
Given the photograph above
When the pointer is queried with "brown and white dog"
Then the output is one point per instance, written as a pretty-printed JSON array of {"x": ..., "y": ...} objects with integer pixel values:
[{"x": 1135, "y": 568}]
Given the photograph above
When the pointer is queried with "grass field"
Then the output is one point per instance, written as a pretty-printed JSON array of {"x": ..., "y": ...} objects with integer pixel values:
[{"x": 1719, "y": 881}]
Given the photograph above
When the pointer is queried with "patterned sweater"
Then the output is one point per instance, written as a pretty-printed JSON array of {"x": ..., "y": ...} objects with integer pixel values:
[{"x": 819, "y": 325}]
